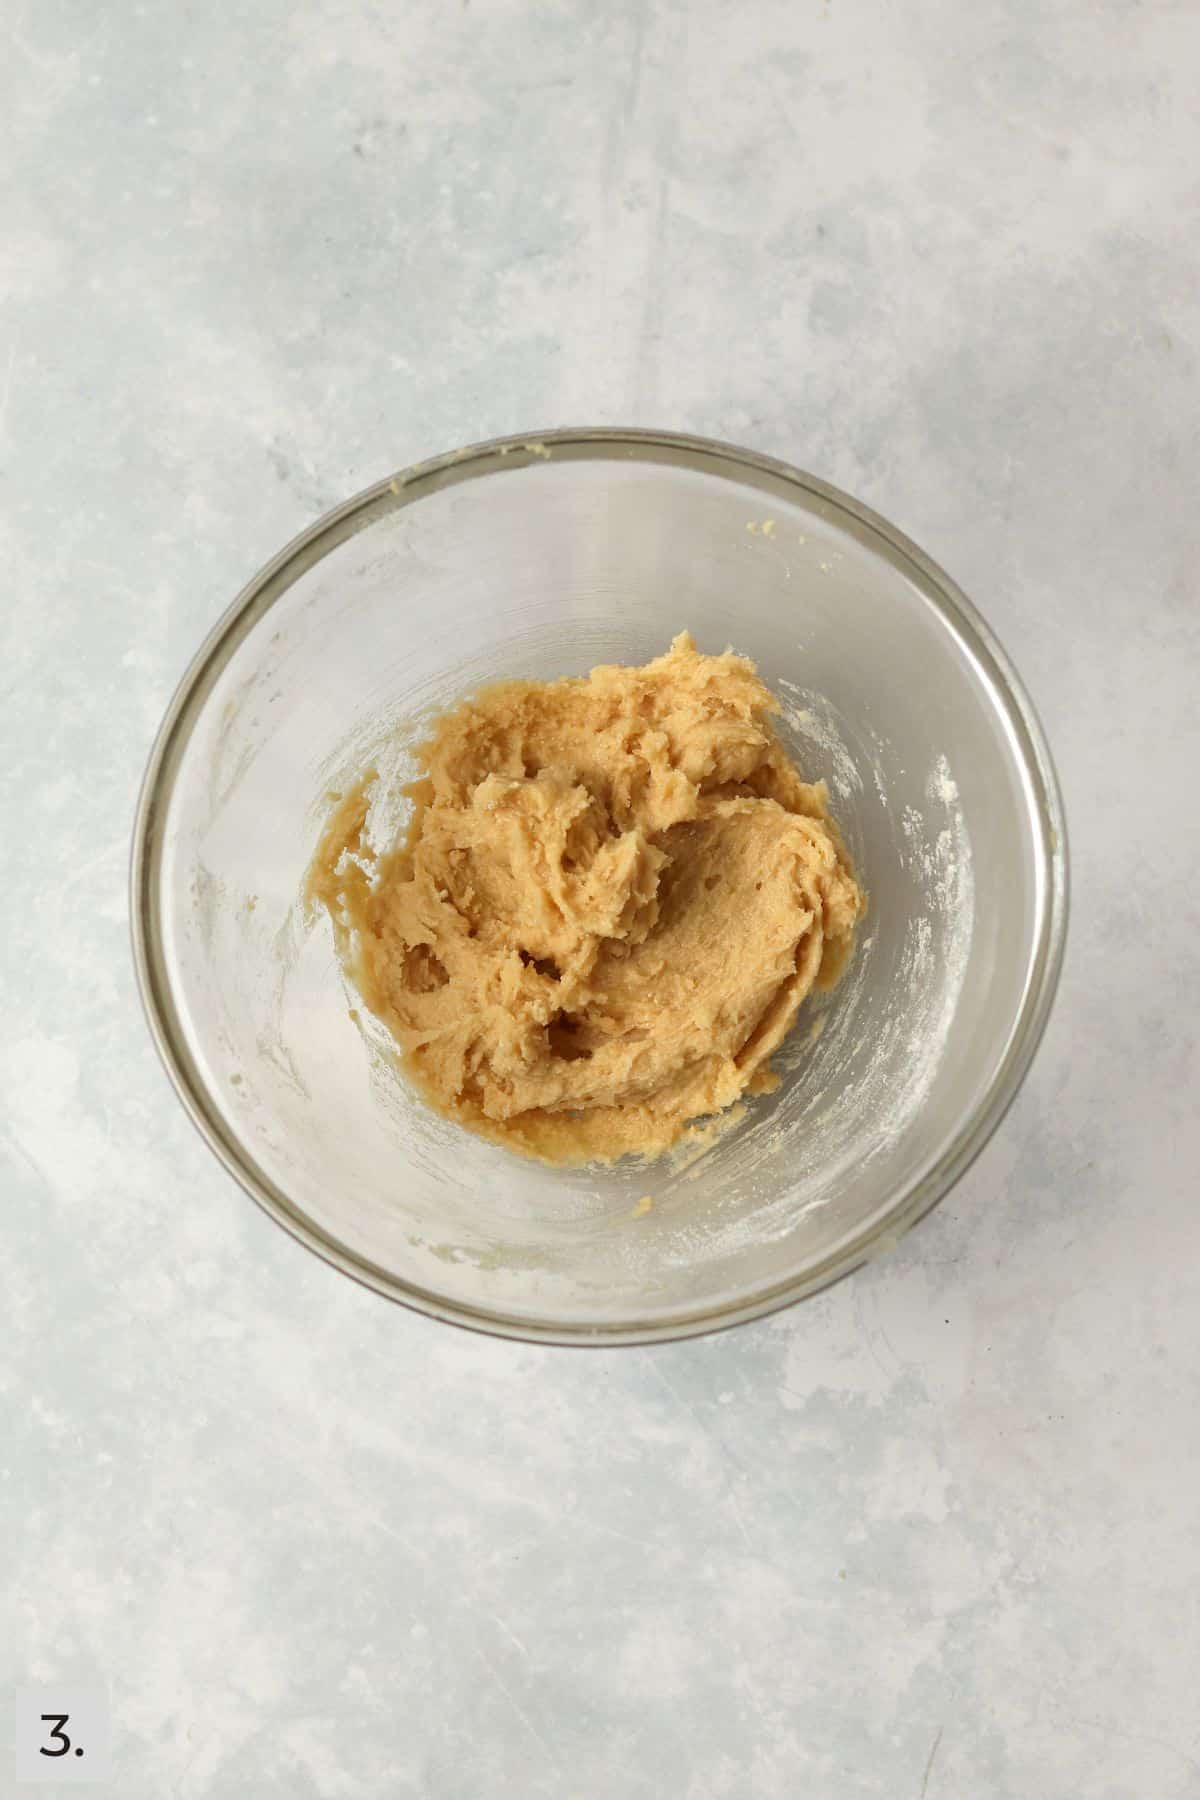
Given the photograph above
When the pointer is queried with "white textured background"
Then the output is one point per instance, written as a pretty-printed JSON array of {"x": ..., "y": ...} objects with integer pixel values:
[{"x": 936, "y": 1533}]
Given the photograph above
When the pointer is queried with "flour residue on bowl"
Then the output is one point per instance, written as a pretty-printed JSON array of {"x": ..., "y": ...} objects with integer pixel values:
[
  {"x": 811, "y": 720},
  {"x": 862, "y": 1071}
]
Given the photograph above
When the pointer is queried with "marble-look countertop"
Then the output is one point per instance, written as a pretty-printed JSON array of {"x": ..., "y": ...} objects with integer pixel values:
[{"x": 933, "y": 1534}]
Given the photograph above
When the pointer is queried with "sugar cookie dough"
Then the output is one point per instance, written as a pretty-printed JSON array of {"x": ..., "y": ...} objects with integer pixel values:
[{"x": 614, "y": 895}]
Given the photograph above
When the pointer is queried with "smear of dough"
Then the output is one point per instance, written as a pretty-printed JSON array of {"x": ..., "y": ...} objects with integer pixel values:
[{"x": 614, "y": 894}]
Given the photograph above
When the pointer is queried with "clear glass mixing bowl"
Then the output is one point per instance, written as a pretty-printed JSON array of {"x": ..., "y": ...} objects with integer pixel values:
[{"x": 542, "y": 558}]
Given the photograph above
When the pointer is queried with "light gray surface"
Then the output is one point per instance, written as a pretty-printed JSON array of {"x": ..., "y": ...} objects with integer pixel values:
[{"x": 934, "y": 1533}]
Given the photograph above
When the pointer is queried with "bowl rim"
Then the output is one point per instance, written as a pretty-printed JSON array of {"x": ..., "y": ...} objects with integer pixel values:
[{"x": 1031, "y": 752}]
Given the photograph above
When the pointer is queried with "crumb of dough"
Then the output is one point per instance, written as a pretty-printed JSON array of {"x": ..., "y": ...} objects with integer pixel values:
[
  {"x": 643, "y": 1207},
  {"x": 613, "y": 896}
]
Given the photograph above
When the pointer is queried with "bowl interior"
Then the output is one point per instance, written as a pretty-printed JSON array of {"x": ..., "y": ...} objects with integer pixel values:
[{"x": 542, "y": 561}]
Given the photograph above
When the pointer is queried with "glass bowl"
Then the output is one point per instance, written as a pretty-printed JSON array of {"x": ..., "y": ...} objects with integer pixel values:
[{"x": 540, "y": 558}]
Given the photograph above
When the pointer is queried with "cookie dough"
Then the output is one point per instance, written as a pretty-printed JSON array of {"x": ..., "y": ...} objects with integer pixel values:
[{"x": 614, "y": 895}]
